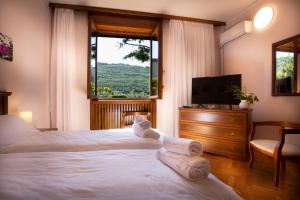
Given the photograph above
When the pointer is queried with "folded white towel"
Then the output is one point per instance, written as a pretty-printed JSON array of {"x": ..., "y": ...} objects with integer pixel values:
[
  {"x": 138, "y": 118},
  {"x": 139, "y": 131},
  {"x": 151, "y": 133},
  {"x": 193, "y": 168},
  {"x": 145, "y": 133},
  {"x": 144, "y": 124},
  {"x": 183, "y": 146}
]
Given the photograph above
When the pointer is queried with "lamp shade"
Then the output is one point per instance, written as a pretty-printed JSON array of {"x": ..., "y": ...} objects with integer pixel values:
[{"x": 26, "y": 116}]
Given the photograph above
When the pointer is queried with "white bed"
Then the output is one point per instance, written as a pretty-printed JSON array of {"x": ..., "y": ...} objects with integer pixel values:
[
  {"x": 111, "y": 174},
  {"x": 70, "y": 165},
  {"x": 80, "y": 141},
  {"x": 17, "y": 136}
]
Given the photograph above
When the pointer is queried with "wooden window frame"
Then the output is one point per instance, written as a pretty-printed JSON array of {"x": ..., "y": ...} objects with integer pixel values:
[
  {"x": 133, "y": 13},
  {"x": 120, "y": 35}
]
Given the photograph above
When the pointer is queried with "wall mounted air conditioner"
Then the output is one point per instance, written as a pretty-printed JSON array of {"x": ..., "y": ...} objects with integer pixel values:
[{"x": 235, "y": 32}]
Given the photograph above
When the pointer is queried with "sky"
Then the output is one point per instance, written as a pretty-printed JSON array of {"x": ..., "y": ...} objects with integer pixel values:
[
  {"x": 282, "y": 53},
  {"x": 109, "y": 52}
]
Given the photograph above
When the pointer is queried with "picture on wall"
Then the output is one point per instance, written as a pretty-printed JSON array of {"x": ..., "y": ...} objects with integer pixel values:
[{"x": 6, "y": 47}]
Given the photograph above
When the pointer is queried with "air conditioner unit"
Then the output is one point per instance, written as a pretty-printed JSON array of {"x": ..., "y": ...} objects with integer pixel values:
[{"x": 235, "y": 32}]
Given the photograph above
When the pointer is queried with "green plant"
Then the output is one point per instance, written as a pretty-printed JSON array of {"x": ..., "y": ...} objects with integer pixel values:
[
  {"x": 122, "y": 81},
  {"x": 286, "y": 67},
  {"x": 142, "y": 53},
  {"x": 238, "y": 93}
]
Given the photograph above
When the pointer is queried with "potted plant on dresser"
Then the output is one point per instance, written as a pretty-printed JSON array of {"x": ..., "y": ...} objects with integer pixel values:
[{"x": 246, "y": 98}]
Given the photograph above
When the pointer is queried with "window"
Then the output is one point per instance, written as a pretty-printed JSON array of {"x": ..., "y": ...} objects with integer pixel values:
[
  {"x": 123, "y": 67},
  {"x": 124, "y": 58},
  {"x": 285, "y": 72}
]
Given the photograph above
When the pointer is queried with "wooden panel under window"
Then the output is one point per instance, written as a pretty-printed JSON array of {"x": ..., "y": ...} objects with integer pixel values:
[{"x": 106, "y": 114}]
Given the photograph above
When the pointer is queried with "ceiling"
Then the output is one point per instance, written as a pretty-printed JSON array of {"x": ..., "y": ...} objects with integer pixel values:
[{"x": 218, "y": 10}]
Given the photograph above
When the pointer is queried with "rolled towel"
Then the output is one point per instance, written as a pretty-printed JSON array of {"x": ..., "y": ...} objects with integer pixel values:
[
  {"x": 144, "y": 124},
  {"x": 151, "y": 133},
  {"x": 140, "y": 125},
  {"x": 193, "y": 168},
  {"x": 138, "y": 118},
  {"x": 145, "y": 133},
  {"x": 183, "y": 146},
  {"x": 139, "y": 131}
]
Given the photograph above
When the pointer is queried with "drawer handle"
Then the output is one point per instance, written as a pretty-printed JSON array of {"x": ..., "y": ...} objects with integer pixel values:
[{"x": 232, "y": 133}]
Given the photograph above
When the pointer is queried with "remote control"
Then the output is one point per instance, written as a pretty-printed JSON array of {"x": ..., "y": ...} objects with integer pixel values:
[{"x": 187, "y": 106}]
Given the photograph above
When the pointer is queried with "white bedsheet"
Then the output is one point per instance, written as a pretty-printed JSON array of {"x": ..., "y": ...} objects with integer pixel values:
[
  {"x": 80, "y": 141},
  {"x": 101, "y": 175}
]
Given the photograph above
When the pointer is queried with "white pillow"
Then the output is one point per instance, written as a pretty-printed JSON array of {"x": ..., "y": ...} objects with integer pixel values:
[{"x": 13, "y": 128}]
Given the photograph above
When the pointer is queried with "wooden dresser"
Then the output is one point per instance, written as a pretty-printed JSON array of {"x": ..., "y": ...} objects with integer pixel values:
[{"x": 222, "y": 132}]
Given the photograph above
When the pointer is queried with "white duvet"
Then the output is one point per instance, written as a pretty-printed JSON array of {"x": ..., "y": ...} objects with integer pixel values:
[
  {"x": 101, "y": 175},
  {"x": 78, "y": 141}
]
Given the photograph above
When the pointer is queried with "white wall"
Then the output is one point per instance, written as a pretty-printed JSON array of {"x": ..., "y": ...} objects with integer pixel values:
[
  {"x": 28, "y": 24},
  {"x": 27, "y": 76},
  {"x": 251, "y": 56}
]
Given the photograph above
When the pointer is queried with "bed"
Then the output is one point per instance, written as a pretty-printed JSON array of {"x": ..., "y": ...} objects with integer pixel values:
[
  {"x": 108, "y": 164},
  {"x": 18, "y": 136},
  {"x": 111, "y": 174}
]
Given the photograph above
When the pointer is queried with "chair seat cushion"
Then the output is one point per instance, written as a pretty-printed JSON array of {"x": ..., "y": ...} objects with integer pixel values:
[{"x": 269, "y": 146}]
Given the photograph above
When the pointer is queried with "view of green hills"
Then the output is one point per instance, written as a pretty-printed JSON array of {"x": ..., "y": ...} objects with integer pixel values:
[{"x": 122, "y": 81}]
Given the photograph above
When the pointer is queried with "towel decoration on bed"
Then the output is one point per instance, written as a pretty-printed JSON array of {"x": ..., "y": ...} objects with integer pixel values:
[
  {"x": 183, "y": 146},
  {"x": 138, "y": 118},
  {"x": 185, "y": 159},
  {"x": 142, "y": 128}
]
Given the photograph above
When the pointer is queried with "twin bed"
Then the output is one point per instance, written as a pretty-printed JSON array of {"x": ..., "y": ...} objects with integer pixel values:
[{"x": 109, "y": 164}]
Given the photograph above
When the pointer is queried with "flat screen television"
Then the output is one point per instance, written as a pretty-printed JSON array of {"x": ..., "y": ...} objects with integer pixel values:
[{"x": 215, "y": 90}]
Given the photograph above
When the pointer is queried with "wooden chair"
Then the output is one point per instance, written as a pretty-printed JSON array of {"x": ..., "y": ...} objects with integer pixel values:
[
  {"x": 279, "y": 150},
  {"x": 127, "y": 117}
]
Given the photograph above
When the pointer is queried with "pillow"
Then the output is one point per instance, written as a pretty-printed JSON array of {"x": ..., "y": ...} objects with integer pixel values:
[{"x": 13, "y": 128}]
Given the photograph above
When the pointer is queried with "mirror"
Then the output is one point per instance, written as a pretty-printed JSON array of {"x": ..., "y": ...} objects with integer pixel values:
[{"x": 285, "y": 67}]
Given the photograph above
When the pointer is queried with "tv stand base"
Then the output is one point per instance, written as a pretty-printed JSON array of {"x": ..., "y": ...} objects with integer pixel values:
[{"x": 202, "y": 106}]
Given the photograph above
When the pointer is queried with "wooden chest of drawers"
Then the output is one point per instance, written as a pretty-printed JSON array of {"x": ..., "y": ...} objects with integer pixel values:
[{"x": 223, "y": 132}]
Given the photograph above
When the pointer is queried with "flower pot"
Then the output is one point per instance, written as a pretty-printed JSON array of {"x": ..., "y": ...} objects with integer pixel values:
[{"x": 244, "y": 104}]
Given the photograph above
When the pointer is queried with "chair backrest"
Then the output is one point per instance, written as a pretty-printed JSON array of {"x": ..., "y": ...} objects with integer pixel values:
[
  {"x": 291, "y": 125},
  {"x": 267, "y": 125},
  {"x": 128, "y": 117},
  {"x": 282, "y": 124}
]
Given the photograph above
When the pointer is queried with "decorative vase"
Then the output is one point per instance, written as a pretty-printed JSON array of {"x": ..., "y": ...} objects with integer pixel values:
[{"x": 244, "y": 104}]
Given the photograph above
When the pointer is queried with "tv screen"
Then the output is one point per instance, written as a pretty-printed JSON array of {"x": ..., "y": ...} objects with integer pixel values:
[{"x": 215, "y": 90}]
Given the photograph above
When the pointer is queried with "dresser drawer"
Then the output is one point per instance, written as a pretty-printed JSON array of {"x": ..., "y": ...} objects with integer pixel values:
[
  {"x": 221, "y": 147},
  {"x": 213, "y": 131},
  {"x": 227, "y": 119},
  {"x": 223, "y": 132}
]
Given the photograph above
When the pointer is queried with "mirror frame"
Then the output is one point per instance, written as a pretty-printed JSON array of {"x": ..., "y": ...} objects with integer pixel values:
[{"x": 274, "y": 45}]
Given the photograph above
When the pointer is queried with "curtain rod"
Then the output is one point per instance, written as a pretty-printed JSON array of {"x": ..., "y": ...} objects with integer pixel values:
[{"x": 133, "y": 13}]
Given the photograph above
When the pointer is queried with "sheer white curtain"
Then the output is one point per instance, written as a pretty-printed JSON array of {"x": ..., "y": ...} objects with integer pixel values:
[
  {"x": 62, "y": 60},
  {"x": 190, "y": 52}
]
